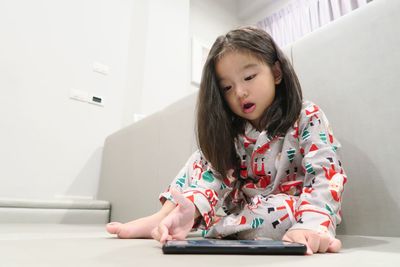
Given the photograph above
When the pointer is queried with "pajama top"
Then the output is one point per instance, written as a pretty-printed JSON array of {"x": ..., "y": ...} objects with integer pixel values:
[{"x": 303, "y": 165}]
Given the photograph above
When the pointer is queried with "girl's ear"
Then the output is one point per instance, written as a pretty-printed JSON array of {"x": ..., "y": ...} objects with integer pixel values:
[{"x": 277, "y": 71}]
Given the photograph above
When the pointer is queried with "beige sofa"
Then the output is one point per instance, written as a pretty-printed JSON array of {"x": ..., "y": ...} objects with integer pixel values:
[{"x": 350, "y": 68}]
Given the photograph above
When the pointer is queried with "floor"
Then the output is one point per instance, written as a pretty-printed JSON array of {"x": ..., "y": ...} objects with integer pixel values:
[{"x": 89, "y": 245}]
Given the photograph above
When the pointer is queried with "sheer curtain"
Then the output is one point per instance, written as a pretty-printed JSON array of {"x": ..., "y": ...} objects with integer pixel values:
[{"x": 300, "y": 17}]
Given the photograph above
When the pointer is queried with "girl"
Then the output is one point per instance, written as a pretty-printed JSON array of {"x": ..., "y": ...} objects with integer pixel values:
[{"x": 267, "y": 165}]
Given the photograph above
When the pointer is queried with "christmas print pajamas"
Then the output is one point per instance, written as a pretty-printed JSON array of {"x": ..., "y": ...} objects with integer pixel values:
[{"x": 290, "y": 182}]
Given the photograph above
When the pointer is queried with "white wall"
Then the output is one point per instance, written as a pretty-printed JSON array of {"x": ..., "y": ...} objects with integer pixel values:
[
  {"x": 160, "y": 62},
  {"x": 210, "y": 19},
  {"x": 51, "y": 145},
  {"x": 166, "y": 74},
  {"x": 159, "y": 56}
]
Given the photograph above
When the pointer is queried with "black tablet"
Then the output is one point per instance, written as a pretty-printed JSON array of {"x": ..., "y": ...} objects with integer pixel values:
[{"x": 217, "y": 246}]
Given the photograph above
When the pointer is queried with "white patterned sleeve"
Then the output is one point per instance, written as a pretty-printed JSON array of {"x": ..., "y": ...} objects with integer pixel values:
[
  {"x": 319, "y": 205},
  {"x": 198, "y": 182}
]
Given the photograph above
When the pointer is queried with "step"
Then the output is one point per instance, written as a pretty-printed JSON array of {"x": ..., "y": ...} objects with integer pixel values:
[{"x": 66, "y": 211}]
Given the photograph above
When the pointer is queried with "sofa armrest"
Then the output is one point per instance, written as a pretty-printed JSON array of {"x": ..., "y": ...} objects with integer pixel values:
[{"x": 140, "y": 161}]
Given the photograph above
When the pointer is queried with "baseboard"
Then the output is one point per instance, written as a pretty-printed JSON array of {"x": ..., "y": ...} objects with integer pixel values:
[{"x": 54, "y": 211}]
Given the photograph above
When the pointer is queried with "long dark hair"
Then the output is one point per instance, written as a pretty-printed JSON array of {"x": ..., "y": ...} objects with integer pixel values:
[{"x": 217, "y": 126}]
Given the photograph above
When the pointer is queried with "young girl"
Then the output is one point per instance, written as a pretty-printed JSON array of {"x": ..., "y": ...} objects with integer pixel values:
[{"x": 267, "y": 166}]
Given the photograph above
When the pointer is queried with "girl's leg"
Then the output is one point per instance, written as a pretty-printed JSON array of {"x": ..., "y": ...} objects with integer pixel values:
[
  {"x": 263, "y": 218},
  {"x": 142, "y": 227}
]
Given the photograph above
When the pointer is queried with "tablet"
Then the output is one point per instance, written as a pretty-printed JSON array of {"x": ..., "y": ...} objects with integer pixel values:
[{"x": 217, "y": 246}]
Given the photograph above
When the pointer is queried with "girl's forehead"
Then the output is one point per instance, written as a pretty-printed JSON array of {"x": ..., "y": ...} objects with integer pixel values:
[
  {"x": 235, "y": 63},
  {"x": 237, "y": 59}
]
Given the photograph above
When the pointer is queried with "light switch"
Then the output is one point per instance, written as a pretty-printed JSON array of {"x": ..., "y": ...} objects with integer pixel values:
[
  {"x": 101, "y": 68},
  {"x": 79, "y": 95}
]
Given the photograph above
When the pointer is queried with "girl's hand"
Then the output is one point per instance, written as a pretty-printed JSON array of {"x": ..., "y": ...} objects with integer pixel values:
[
  {"x": 315, "y": 242},
  {"x": 178, "y": 223}
]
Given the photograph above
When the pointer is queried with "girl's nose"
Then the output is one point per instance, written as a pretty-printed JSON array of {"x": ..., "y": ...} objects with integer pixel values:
[{"x": 242, "y": 92}]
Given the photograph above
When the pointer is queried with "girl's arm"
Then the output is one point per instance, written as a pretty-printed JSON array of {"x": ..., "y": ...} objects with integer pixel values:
[
  {"x": 197, "y": 183},
  {"x": 178, "y": 223},
  {"x": 166, "y": 209},
  {"x": 318, "y": 209}
]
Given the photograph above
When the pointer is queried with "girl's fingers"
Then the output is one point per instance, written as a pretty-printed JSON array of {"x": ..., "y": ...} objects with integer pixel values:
[
  {"x": 324, "y": 243},
  {"x": 160, "y": 233},
  {"x": 155, "y": 234},
  {"x": 294, "y": 236},
  {"x": 163, "y": 230},
  {"x": 313, "y": 241},
  {"x": 335, "y": 245}
]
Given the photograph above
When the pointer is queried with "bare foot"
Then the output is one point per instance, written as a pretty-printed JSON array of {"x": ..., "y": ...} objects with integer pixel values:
[{"x": 140, "y": 228}]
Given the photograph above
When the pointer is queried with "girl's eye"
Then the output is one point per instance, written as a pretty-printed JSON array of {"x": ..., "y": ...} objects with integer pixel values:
[
  {"x": 248, "y": 78},
  {"x": 226, "y": 88}
]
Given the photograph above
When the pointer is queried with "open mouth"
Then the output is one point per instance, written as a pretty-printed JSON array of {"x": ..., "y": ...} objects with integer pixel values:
[{"x": 248, "y": 107}]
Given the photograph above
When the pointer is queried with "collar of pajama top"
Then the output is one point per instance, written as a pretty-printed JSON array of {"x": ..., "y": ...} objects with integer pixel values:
[
  {"x": 248, "y": 146},
  {"x": 263, "y": 167}
]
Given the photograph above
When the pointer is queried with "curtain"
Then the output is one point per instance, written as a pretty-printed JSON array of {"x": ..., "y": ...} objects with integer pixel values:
[{"x": 300, "y": 17}]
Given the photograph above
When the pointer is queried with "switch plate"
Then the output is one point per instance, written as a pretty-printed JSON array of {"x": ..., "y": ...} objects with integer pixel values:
[
  {"x": 79, "y": 95},
  {"x": 101, "y": 68},
  {"x": 84, "y": 96}
]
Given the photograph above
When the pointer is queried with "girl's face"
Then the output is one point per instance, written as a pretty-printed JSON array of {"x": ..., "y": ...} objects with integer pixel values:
[{"x": 248, "y": 84}]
